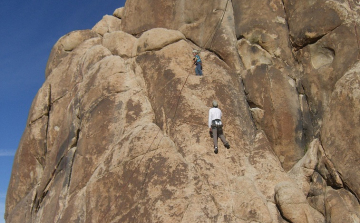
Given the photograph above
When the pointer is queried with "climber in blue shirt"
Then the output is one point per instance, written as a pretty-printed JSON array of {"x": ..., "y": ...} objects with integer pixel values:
[{"x": 197, "y": 62}]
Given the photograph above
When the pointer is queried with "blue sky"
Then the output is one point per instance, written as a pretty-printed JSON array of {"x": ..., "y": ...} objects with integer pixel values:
[{"x": 29, "y": 29}]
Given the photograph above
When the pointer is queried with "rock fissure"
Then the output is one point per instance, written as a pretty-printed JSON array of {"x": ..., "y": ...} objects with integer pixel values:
[
  {"x": 348, "y": 188},
  {"x": 59, "y": 98},
  {"x": 54, "y": 174},
  {"x": 287, "y": 26},
  {"x": 65, "y": 195},
  {"x": 324, "y": 151},
  {"x": 309, "y": 41},
  {"x": 37, "y": 119},
  {"x": 34, "y": 204},
  {"x": 218, "y": 56},
  {"x": 49, "y": 108},
  {"x": 74, "y": 146},
  {"x": 311, "y": 114},
  {"x": 44, "y": 192}
]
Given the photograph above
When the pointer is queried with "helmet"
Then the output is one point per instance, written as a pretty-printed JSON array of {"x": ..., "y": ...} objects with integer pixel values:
[
  {"x": 195, "y": 51},
  {"x": 215, "y": 104}
]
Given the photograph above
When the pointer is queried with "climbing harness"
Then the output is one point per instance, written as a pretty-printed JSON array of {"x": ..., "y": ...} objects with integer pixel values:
[{"x": 217, "y": 123}]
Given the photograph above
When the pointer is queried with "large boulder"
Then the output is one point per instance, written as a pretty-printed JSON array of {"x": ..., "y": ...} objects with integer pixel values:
[
  {"x": 341, "y": 206},
  {"x": 120, "y": 43},
  {"x": 65, "y": 45},
  {"x": 340, "y": 134},
  {"x": 118, "y": 131},
  {"x": 293, "y": 205},
  {"x": 268, "y": 89},
  {"x": 108, "y": 24},
  {"x": 264, "y": 24},
  {"x": 310, "y": 20},
  {"x": 156, "y": 39}
]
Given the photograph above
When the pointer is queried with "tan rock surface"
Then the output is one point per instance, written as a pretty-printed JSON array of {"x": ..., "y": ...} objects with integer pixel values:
[
  {"x": 264, "y": 24},
  {"x": 340, "y": 129},
  {"x": 269, "y": 89},
  {"x": 118, "y": 132},
  {"x": 119, "y": 12},
  {"x": 120, "y": 43},
  {"x": 341, "y": 206},
  {"x": 108, "y": 24},
  {"x": 303, "y": 170},
  {"x": 293, "y": 205},
  {"x": 157, "y": 38},
  {"x": 310, "y": 20},
  {"x": 209, "y": 25},
  {"x": 171, "y": 176},
  {"x": 327, "y": 58},
  {"x": 64, "y": 45}
]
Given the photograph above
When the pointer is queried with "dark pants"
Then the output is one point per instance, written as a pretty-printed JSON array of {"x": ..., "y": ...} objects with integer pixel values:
[
  {"x": 198, "y": 70},
  {"x": 218, "y": 132}
]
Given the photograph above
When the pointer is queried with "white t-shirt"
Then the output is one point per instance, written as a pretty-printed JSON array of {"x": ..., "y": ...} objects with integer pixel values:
[{"x": 214, "y": 113}]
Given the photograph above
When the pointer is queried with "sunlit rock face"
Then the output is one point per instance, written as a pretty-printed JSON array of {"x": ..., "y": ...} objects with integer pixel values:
[{"x": 118, "y": 131}]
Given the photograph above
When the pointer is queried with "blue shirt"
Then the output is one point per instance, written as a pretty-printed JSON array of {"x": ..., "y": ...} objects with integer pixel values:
[{"x": 198, "y": 60}]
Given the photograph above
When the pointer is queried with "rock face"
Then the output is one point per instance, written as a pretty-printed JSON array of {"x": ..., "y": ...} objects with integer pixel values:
[{"x": 118, "y": 132}]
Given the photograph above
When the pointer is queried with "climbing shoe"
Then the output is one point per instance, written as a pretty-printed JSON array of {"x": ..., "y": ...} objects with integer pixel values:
[
  {"x": 227, "y": 146},
  {"x": 216, "y": 150}
]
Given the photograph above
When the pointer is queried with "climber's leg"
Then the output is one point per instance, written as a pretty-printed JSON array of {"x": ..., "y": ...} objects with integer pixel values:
[
  {"x": 215, "y": 138},
  {"x": 223, "y": 139}
]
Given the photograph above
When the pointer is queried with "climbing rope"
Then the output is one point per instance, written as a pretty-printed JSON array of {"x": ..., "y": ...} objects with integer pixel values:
[
  {"x": 216, "y": 27},
  {"x": 211, "y": 37}
]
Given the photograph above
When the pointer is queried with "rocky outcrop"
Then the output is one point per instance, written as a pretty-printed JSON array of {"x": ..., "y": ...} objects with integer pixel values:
[
  {"x": 118, "y": 131},
  {"x": 210, "y": 25},
  {"x": 108, "y": 24},
  {"x": 340, "y": 131},
  {"x": 293, "y": 205}
]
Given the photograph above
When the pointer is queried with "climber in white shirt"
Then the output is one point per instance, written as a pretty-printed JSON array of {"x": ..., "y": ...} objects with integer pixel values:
[{"x": 215, "y": 126}]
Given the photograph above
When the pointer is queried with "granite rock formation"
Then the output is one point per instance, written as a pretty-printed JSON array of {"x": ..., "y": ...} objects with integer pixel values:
[{"x": 118, "y": 131}]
